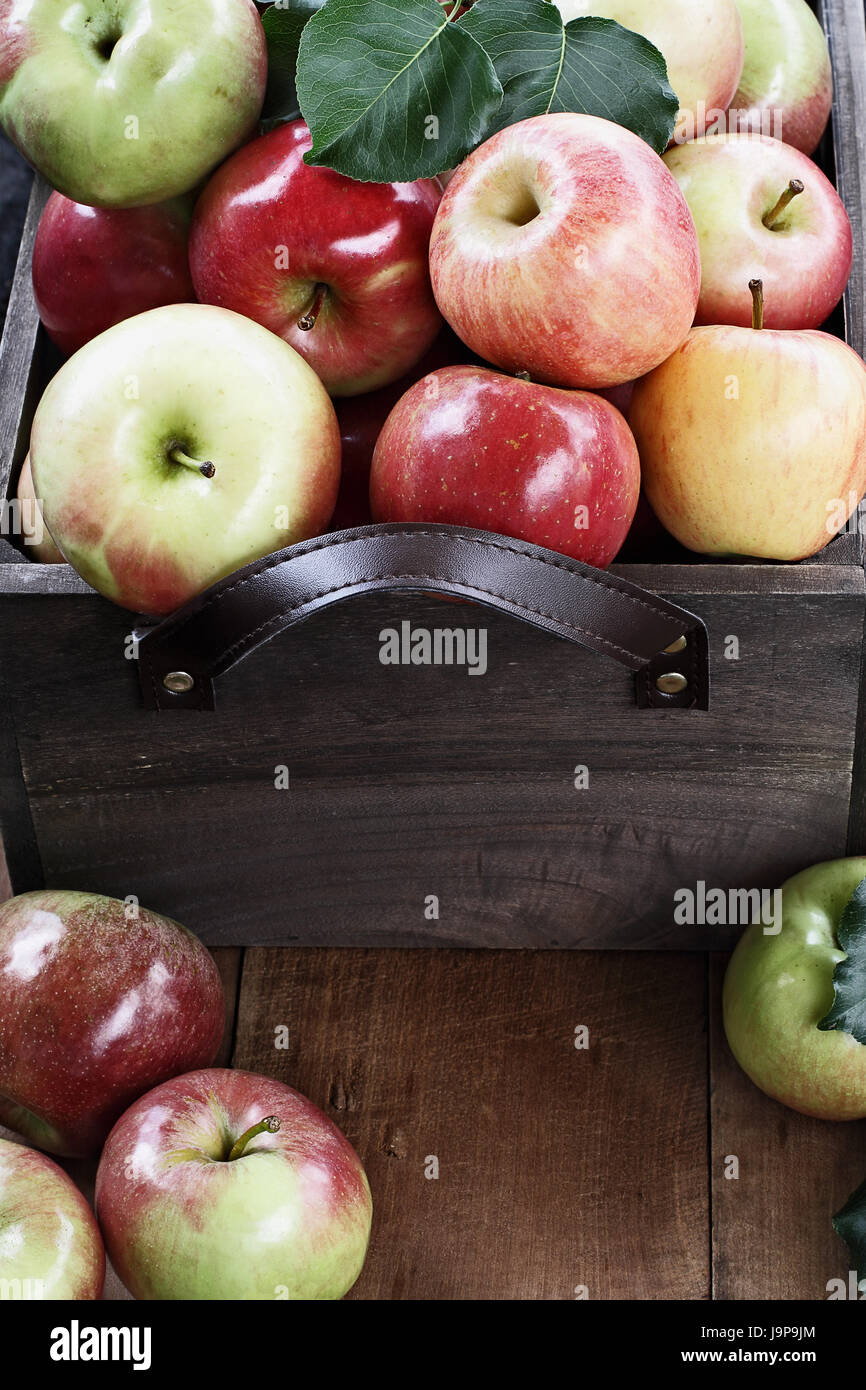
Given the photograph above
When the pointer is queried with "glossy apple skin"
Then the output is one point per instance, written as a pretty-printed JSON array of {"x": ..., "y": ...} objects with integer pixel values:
[
  {"x": 702, "y": 44},
  {"x": 361, "y": 419},
  {"x": 148, "y": 533},
  {"x": 368, "y": 242},
  {"x": 778, "y": 988},
  {"x": 468, "y": 447},
  {"x": 598, "y": 287},
  {"x": 96, "y": 1006},
  {"x": 35, "y": 533},
  {"x": 48, "y": 1236},
  {"x": 731, "y": 182},
  {"x": 290, "y": 1218},
  {"x": 192, "y": 75},
  {"x": 787, "y": 70},
  {"x": 93, "y": 267},
  {"x": 766, "y": 473}
]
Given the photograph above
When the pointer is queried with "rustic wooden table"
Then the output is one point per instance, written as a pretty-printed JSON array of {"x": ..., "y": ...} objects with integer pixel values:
[{"x": 560, "y": 1168}]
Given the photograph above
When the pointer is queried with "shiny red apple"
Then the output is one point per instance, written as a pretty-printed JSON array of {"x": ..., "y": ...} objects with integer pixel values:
[
  {"x": 99, "y": 1001},
  {"x": 337, "y": 268},
  {"x": 50, "y": 1246},
  {"x": 471, "y": 447},
  {"x": 93, "y": 267}
]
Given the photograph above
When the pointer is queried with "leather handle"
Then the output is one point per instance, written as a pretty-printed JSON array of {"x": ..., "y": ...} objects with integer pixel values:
[{"x": 587, "y": 606}]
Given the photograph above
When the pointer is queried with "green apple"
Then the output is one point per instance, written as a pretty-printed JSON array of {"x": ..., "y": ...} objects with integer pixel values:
[
  {"x": 786, "y": 89},
  {"x": 125, "y": 102},
  {"x": 177, "y": 447},
  {"x": 50, "y": 1246},
  {"x": 779, "y": 987}
]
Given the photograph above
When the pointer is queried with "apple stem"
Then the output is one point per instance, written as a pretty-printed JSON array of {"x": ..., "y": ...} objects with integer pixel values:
[
  {"x": 207, "y": 469},
  {"x": 308, "y": 319},
  {"x": 757, "y": 290},
  {"x": 270, "y": 1124},
  {"x": 795, "y": 187},
  {"x": 523, "y": 376}
]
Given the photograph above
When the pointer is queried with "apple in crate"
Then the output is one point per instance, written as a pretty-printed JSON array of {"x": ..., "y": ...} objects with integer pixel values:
[
  {"x": 780, "y": 989},
  {"x": 337, "y": 268},
  {"x": 34, "y": 532},
  {"x": 226, "y": 1185},
  {"x": 99, "y": 1001},
  {"x": 469, "y": 447},
  {"x": 93, "y": 267},
  {"x": 753, "y": 440},
  {"x": 764, "y": 211},
  {"x": 124, "y": 102},
  {"x": 700, "y": 40},
  {"x": 50, "y": 1246},
  {"x": 178, "y": 446},
  {"x": 786, "y": 89},
  {"x": 563, "y": 247}
]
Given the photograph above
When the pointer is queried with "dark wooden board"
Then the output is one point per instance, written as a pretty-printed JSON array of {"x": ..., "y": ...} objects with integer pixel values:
[
  {"x": 557, "y": 1167},
  {"x": 772, "y": 1232}
]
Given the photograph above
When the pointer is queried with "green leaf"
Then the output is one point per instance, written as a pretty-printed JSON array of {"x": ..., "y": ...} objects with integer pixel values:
[
  {"x": 592, "y": 66},
  {"x": 391, "y": 90},
  {"x": 848, "y": 1013},
  {"x": 850, "y": 1224},
  {"x": 284, "y": 24}
]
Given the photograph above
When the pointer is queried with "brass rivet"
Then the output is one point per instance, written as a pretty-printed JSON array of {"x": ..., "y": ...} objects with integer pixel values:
[
  {"x": 178, "y": 682},
  {"x": 678, "y": 646},
  {"x": 671, "y": 684}
]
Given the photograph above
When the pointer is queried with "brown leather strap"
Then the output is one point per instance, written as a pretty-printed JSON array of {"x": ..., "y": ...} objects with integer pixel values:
[{"x": 595, "y": 609}]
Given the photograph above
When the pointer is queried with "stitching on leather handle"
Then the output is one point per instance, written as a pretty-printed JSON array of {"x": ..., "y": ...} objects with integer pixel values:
[{"x": 278, "y": 559}]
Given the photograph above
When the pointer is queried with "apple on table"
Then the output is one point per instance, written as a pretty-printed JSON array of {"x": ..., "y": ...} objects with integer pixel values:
[
  {"x": 93, "y": 267},
  {"x": 50, "y": 1245},
  {"x": 99, "y": 1001},
  {"x": 119, "y": 105},
  {"x": 467, "y": 446},
  {"x": 764, "y": 211},
  {"x": 564, "y": 247},
  {"x": 335, "y": 267},
  {"x": 177, "y": 447},
  {"x": 751, "y": 440},
  {"x": 226, "y": 1185}
]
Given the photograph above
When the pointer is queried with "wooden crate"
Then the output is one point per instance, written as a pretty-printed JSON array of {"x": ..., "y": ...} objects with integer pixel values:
[{"x": 424, "y": 807}]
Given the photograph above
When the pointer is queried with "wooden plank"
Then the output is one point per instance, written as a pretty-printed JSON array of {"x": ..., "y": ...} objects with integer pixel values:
[
  {"x": 772, "y": 1237},
  {"x": 558, "y": 1167}
]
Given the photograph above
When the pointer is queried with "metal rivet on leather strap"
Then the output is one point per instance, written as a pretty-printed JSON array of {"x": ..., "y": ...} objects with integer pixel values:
[
  {"x": 673, "y": 683},
  {"x": 178, "y": 682},
  {"x": 678, "y": 646}
]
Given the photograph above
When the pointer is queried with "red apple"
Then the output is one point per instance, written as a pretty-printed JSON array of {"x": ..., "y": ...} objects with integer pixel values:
[
  {"x": 93, "y": 267},
  {"x": 764, "y": 211},
  {"x": 335, "y": 267},
  {"x": 99, "y": 1001},
  {"x": 226, "y": 1185},
  {"x": 563, "y": 247},
  {"x": 361, "y": 419},
  {"x": 753, "y": 441},
  {"x": 50, "y": 1246},
  {"x": 470, "y": 447}
]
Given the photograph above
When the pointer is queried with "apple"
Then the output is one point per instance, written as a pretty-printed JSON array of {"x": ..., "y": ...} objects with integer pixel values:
[
  {"x": 124, "y": 103},
  {"x": 93, "y": 267},
  {"x": 752, "y": 440},
  {"x": 178, "y": 446},
  {"x": 361, "y": 419},
  {"x": 700, "y": 40},
  {"x": 563, "y": 247},
  {"x": 786, "y": 89},
  {"x": 34, "y": 532},
  {"x": 99, "y": 1001},
  {"x": 50, "y": 1246},
  {"x": 469, "y": 447},
  {"x": 764, "y": 210},
  {"x": 337, "y": 268},
  {"x": 779, "y": 987},
  {"x": 225, "y": 1185}
]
